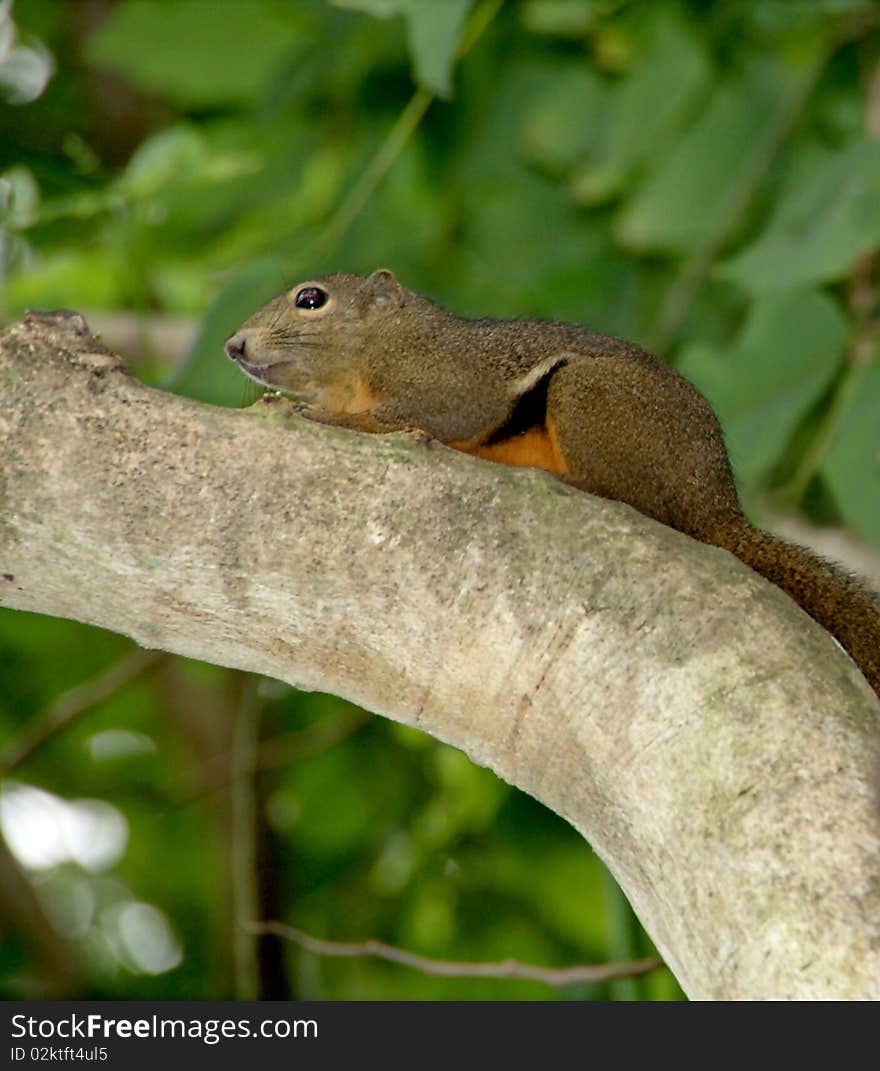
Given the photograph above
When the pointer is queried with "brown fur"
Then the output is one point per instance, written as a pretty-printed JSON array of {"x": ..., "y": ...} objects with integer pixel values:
[{"x": 602, "y": 413}]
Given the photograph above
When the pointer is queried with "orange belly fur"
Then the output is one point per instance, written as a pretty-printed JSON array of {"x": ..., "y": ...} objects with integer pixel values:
[{"x": 536, "y": 448}]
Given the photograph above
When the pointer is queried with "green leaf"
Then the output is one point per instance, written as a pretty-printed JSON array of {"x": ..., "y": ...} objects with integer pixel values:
[
  {"x": 852, "y": 465},
  {"x": 762, "y": 385},
  {"x": 563, "y": 123},
  {"x": 380, "y": 9},
  {"x": 691, "y": 193},
  {"x": 561, "y": 18},
  {"x": 19, "y": 197},
  {"x": 434, "y": 33},
  {"x": 85, "y": 278},
  {"x": 434, "y": 30},
  {"x": 667, "y": 83},
  {"x": 164, "y": 159},
  {"x": 819, "y": 229},
  {"x": 196, "y": 52}
]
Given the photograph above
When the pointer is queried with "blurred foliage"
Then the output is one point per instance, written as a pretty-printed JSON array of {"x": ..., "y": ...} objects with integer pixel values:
[{"x": 701, "y": 176}]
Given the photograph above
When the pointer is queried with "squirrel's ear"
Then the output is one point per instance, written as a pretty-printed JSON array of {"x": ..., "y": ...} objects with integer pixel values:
[{"x": 381, "y": 291}]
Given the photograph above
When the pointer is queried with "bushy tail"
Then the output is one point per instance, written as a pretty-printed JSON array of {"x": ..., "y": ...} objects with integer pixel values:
[{"x": 830, "y": 596}]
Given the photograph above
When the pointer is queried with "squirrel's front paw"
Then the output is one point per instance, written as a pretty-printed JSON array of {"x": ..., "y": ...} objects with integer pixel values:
[
  {"x": 417, "y": 433},
  {"x": 293, "y": 405},
  {"x": 313, "y": 412},
  {"x": 287, "y": 405}
]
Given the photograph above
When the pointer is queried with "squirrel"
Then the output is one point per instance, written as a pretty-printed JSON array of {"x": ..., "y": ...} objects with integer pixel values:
[{"x": 605, "y": 415}]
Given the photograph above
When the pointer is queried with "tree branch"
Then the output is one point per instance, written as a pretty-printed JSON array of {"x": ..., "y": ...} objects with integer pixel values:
[{"x": 711, "y": 742}]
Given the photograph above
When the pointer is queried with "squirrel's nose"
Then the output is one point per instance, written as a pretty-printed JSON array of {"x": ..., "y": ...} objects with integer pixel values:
[{"x": 235, "y": 346}]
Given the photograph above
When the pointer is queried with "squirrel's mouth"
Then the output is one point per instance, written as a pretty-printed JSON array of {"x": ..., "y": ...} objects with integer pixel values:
[{"x": 260, "y": 373}]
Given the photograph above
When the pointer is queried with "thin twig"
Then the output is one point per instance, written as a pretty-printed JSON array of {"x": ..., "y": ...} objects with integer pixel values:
[
  {"x": 244, "y": 853},
  {"x": 621, "y": 929},
  {"x": 692, "y": 274},
  {"x": 375, "y": 171},
  {"x": 276, "y": 751},
  {"x": 56, "y": 960},
  {"x": 395, "y": 141},
  {"x": 861, "y": 348},
  {"x": 75, "y": 702},
  {"x": 847, "y": 391},
  {"x": 508, "y": 968},
  {"x": 305, "y": 744}
]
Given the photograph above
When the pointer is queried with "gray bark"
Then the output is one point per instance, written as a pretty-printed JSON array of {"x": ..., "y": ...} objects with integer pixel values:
[{"x": 710, "y": 741}]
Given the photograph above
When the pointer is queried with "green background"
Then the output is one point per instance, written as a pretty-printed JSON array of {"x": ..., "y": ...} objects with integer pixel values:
[{"x": 700, "y": 177}]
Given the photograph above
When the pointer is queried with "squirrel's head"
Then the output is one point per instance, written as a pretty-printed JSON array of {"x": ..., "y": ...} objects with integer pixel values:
[{"x": 304, "y": 338}]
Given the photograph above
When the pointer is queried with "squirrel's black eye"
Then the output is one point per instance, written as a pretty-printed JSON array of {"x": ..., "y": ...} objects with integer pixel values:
[{"x": 310, "y": 297}]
